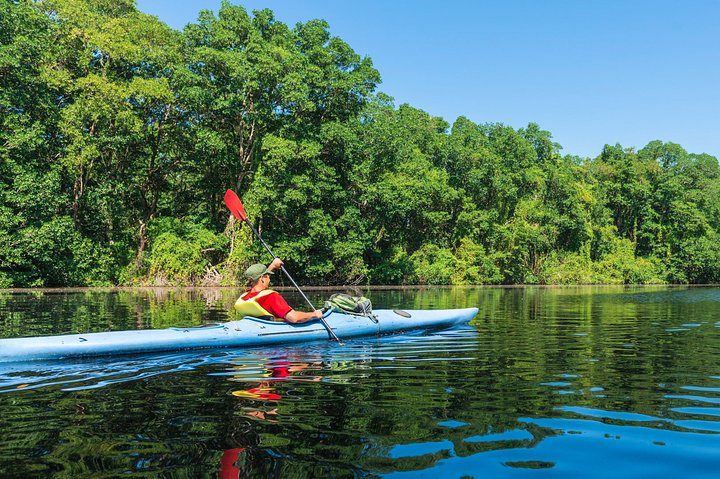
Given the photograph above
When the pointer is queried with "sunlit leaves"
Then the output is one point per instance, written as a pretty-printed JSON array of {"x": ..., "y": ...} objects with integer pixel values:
[{"x": 119, "y": 137}]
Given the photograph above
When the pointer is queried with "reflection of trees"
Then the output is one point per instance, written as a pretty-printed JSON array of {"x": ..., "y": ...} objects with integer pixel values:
[
  {"x": 536, "y": 350},
  {"x": 56, "y": 312}
]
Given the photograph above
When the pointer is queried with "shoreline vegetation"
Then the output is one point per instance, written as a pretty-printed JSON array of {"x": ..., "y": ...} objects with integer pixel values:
[
  {"x": 120, "y": 136},
  {"x": 355, "y": 289}
]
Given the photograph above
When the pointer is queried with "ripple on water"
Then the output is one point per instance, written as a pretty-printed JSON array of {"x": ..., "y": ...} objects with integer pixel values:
[
  {"x": 255, "y": 364},
  {"x": 611, "y": 415},
  {"x": 452, "y": 424},
  {"x": 512, "y": 435},
  {"x": 557, "y": 382},
  {"x": 711, "y": 400}
]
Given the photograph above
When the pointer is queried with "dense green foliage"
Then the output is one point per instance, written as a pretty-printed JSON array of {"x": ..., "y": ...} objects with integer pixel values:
[{"x": 119, "y": 137}]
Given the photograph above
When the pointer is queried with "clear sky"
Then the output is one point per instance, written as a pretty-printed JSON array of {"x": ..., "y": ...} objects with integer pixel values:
[{"x": 589, "y": 71}]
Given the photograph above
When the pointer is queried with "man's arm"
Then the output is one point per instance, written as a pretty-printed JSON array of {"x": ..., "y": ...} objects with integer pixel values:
[{"x": 296, "y": 317}]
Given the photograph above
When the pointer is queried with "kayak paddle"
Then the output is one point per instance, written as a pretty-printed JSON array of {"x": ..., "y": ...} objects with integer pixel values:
[{"x": 232, "y": 201}]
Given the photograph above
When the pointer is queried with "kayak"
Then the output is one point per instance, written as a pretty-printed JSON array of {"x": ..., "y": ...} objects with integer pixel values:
[{"x": 247, "y": 332}]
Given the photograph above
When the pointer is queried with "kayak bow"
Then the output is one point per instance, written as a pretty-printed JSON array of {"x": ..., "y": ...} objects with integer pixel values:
[{"x": 247, "y": 332}]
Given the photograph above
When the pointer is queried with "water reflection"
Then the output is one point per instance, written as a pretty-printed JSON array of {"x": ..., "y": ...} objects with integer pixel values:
[{"x": 598, "y": 382}]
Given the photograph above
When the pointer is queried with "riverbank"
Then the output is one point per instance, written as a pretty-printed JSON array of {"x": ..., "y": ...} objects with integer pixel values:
[{"x": 410, "y": 287}]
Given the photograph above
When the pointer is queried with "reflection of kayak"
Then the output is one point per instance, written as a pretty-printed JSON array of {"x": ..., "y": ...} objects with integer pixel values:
[{"x": 245, "y": 332}]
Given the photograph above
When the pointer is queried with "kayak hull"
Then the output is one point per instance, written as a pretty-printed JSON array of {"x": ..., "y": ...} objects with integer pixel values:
[{"x": 247, "y": 332}]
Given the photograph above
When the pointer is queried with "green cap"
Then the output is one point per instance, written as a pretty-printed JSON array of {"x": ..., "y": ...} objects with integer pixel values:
[{"x": 255, "y": 271}]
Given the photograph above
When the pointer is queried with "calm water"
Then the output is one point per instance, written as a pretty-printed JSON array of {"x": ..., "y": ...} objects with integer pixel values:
[{"x": 575, "y": 382}]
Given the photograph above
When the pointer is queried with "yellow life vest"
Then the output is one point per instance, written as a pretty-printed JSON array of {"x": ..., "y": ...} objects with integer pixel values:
[{"x": 250, "y": 307}]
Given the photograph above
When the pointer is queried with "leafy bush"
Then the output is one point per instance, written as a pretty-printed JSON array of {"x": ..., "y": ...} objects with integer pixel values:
[
  {"x": 395, "y": 268},
  {"x": 474, "y": 265},
  {"x": 244, "y": 253},
  {"x": 182, "y": 253},
  {"x": 433, "y": 264},
  {"x": 701, "y": 259},
  {"x": 621, "y": 266},
  {"x": 55, "y": 254},
  {"x": 568, "y": 268}
]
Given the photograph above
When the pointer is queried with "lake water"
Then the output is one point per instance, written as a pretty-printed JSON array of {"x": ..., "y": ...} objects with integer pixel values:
[{"x": 590, "y": 382}]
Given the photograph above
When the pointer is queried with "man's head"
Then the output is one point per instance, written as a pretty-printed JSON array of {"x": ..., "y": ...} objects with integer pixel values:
[{"x": 257, "y": 272}]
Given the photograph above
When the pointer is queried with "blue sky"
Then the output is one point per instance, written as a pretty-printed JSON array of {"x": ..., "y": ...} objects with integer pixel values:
[{"x": 590, "y": 72}]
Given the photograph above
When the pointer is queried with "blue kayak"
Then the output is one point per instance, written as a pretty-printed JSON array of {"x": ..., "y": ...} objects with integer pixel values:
[{"x": 248, "y": 332}]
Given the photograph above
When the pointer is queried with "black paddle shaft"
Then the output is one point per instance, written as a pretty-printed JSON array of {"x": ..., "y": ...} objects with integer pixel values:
[{"x": 329, "y": 330}]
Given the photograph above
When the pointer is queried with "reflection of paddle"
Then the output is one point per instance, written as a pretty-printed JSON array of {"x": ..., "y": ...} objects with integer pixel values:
[
  {"x": 232, "y": 201},
  {"x": 262, "y": 393},
  {"x": 228, "y": 463}
]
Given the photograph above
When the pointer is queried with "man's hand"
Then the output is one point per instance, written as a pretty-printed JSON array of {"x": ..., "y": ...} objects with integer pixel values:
[{"x": 276, "y": 264}]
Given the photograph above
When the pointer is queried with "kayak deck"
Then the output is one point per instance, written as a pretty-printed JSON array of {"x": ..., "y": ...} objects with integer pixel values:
[{"x": 248, "y": 331}]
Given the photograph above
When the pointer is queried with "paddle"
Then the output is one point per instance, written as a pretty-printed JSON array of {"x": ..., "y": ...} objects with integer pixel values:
[{"x": 232, "y": 201}]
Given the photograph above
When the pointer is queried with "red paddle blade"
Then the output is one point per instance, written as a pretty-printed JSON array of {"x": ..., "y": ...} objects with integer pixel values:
[{"x": 235, "y": 205}]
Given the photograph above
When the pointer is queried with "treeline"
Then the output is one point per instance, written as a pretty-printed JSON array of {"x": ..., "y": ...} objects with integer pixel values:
[{"x": 120, "y": 136}]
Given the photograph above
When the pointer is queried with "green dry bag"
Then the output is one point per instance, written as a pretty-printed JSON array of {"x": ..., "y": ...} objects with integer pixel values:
[{"x": 344, "y": 303}]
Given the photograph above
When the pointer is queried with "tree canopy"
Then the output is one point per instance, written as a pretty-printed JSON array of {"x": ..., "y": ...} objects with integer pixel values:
[{"x": 121, "y": 135}]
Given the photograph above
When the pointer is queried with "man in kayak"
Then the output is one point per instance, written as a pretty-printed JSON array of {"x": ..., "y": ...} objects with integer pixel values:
[{"x": 262, "y": 302}]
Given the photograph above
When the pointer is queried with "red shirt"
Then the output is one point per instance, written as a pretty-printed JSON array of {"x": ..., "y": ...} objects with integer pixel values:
[{"x": 273, "y": 303}]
